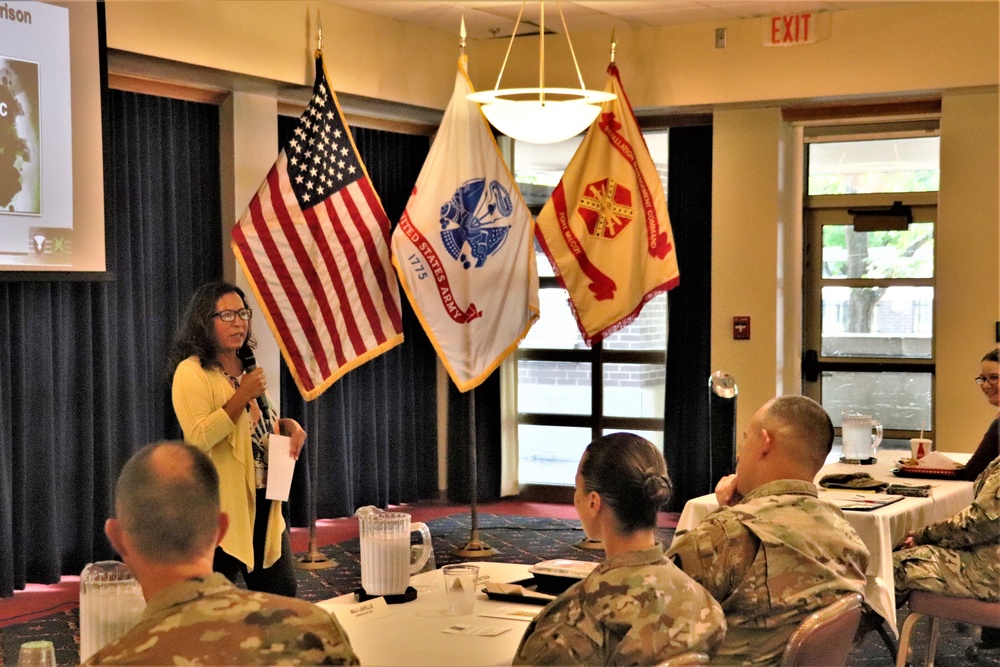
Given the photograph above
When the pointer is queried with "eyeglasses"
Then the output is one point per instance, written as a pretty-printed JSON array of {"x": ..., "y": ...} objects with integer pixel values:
[
  {"x": 983, "y": 379},
  {"x": 229, "y": 315}
]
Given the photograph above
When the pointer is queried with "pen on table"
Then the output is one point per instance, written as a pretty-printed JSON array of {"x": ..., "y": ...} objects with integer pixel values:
[{"x": 851, "y": 490}]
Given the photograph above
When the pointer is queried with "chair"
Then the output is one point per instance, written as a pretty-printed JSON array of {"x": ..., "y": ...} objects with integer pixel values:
[
  {"x": 937, "y": 606},
  {"x": 826, "y": 636}
]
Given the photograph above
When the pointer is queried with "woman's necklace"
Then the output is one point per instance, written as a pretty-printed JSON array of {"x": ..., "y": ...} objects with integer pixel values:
[{"x": 229, "y": 365}]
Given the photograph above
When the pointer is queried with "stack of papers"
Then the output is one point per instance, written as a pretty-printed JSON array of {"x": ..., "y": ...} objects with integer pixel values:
[
  {"x": 860, "y": 502},
  {"x": 515, "y": 591},
  {"x": 563, "y": 567}
]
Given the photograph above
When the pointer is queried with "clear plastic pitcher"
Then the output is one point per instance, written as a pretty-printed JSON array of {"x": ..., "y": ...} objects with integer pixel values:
[
  {"x": 860, "y": 443},
  {"x": 385, "y": 550},
  {"x": 110, "y": 604}
]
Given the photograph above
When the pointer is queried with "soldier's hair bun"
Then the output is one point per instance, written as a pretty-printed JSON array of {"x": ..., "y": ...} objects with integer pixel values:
[
  {"x": 656, "y": 487},
  {"x": 630, "y": 474}
]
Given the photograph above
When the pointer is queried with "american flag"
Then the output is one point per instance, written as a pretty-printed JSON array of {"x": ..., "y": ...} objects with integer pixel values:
[{"x": 313, "y": 244}]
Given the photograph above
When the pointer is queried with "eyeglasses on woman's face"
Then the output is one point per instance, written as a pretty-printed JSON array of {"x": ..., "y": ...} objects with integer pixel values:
[
  {"x": 992, "y": 378},
  {"x": 244, "y": 314}
]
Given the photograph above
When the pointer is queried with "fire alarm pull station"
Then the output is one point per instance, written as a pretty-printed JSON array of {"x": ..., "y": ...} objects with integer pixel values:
[{"x": 741, "y": 327}]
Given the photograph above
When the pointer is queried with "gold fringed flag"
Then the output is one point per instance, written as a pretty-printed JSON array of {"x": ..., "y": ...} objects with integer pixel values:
[
  {"x": 314, "y": 245},
  {"x": 463, "y": 248},
  {"x": 605, "y": 229}
]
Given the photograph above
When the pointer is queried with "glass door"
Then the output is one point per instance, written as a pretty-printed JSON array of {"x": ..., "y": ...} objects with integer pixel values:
[{"x": 870, "y": 218}]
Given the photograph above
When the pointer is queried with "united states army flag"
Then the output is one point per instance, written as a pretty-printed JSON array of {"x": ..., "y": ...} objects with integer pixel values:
[
  {"x": 605, "y": 228},
  {"x": 463, "y": 248}
]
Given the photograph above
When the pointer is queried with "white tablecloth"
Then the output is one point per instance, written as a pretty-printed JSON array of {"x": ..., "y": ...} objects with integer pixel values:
[
  {"x": 413, "y": 633},
  {"x": 879, "y": 529}
]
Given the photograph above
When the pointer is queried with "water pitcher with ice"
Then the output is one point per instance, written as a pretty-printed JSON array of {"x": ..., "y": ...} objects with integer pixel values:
[
  {"x": 111, "y": 602},
  {"x": 385, "y": 550},
  {"x": 859, "y": 442}
]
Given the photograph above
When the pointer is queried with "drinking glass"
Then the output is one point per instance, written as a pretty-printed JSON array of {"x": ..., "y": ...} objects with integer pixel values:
[
  {"x": 460, "y": 588},
  {"x": 37, "y": 654}
]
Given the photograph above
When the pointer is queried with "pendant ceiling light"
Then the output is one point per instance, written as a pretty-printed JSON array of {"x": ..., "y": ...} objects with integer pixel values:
[{"x": 541, "y": 115}]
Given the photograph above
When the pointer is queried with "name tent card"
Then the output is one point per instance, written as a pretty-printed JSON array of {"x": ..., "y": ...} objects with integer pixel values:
[{"x": 368, "y": 610}]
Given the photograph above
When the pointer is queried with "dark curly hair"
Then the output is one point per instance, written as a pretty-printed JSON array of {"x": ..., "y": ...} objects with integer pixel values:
[
  {"x": 993, "y": 355},
  {"x": 196, "y": 333},
  {"x": 630, "y": 475}
]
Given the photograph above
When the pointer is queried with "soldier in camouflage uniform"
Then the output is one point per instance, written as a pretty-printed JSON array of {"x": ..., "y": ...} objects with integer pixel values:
[
  {"x": 774, "y": 553},
  {"x": 636, "y": 607},
  {"x": 166, "y": 527},
  {"x": 959, "y": 556}
]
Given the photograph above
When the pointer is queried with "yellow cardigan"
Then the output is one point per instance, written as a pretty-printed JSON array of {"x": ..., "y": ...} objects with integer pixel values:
[{"x": 198, "y": 397}]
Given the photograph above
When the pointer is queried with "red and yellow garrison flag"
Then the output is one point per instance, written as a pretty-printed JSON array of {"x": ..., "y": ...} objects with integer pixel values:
[
  {"x": 463, "y": 249},
  {"x": 314, "y": 245},
  {"x": 605, "y": 228}
]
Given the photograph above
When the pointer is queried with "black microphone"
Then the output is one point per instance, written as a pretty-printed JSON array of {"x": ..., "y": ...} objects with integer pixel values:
[{"x": 250, "y": 364}]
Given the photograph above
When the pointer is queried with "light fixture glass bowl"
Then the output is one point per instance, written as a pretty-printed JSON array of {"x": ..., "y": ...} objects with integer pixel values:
[{"x": 538, "y": 122}]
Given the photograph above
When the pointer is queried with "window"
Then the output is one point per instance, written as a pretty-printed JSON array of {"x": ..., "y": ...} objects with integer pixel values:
[
  {"x": 569, "y": 394},
  {"x": 869, "y": 289}
]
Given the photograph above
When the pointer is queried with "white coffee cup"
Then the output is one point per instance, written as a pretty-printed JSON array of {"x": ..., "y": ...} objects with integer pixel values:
[{"x": 920, "y": 447}]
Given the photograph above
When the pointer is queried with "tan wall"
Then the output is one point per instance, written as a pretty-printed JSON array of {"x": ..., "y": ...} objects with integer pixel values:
[
  {"x": 967, "y": 293},
  {"x": 365, "y": 55},
  {"x": 899, "y": 48},
  {"x": 745, "y": 205}
]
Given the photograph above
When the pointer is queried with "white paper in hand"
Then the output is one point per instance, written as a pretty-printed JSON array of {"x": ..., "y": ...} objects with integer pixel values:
[{"x": 280, "y": 466}]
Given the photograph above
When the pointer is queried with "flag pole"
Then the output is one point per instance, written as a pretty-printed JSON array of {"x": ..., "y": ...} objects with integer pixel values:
[
  {"x": 589, "y": 543},
  {"x": 475, "y": 548},
  {"x": 314, "y": 558}
]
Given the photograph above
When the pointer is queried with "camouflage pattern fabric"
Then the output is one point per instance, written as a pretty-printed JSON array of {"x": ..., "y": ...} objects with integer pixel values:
[
  {"x": 959, "y": 556},
  {"x": 208, "y": 621},
  {"x": 634, "y": 609},
  {"x": 771, "y": 560}
]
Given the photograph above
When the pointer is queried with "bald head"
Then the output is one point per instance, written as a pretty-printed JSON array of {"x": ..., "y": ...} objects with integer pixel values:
[
  {"x": 802, "y": 424},
  {"x": 788, "y": 438},
  {"x": 167, "y": 500}
]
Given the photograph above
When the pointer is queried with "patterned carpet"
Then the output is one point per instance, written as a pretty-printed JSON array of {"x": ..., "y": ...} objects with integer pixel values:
[{"x": 517, "y": 539}]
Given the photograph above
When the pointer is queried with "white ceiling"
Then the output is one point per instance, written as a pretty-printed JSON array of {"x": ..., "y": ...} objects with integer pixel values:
[{"x": 485, "y": 19}]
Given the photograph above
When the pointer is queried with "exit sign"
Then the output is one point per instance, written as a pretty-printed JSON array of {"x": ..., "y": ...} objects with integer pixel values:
[{"x": 796, "y": 29}]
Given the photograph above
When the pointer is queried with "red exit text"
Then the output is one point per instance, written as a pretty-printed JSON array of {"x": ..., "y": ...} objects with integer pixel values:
[{"x": 792, "y": 29}]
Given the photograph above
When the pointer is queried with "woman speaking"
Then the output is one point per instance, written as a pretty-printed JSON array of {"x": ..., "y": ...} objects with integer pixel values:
[{"x": 221, "y": 404}]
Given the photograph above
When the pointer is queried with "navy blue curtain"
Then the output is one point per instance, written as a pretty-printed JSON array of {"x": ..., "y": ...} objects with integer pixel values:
[
  {"x": 82, "y": 364},
  {"x": 689, "y": 355},
  {"x": 487, "y": 434}
]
